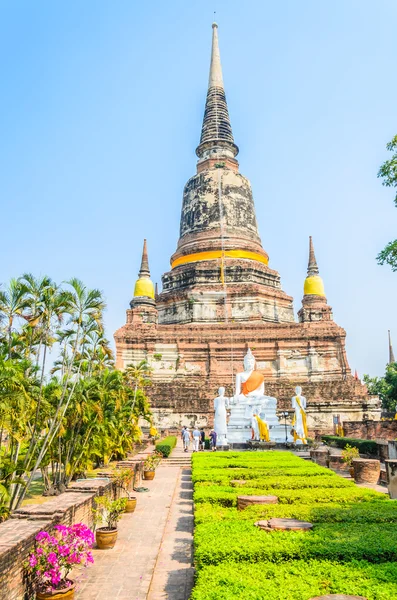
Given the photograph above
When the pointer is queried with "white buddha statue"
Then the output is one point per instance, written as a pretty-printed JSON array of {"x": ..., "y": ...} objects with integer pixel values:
[
  {"x": 250, "y": 389},
  {"x": 253, "y": 415},
  {"x": 221, "y": 403},
  {"x": 299, "y": 424}
]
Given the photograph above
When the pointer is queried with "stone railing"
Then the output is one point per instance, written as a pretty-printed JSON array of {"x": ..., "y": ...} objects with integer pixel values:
[{"x": 18, "y": 533}]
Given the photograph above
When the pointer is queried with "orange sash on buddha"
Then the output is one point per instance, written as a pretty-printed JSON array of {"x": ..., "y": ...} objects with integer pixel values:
[{"x": 253, "y": 382}]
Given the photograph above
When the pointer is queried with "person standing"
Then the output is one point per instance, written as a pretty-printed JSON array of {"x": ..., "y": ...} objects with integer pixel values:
[
  {"x": 202, "y": 439},
  {"x": 213, "y": 440},
  {"x": 186, "y": 439},
  {"x": 196, "y": 439}
]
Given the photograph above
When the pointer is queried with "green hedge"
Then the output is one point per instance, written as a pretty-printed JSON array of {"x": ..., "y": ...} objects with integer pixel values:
[
  {"x": 364, "y": 446},
  {"x": 225, "y": 475},
  {"x": 241, "y": 541},
  {"x": 362, "y": 512},
  {"x": 166, "y": 445},
  {"x": 297, "y": 580},
  {"x": 227, "y": 496},
  {"x": 353, "y": 527}
]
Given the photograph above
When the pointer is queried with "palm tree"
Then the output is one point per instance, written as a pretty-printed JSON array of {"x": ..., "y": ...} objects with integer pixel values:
[
  {"x": 83, "y": 306},
  {"x": 13, "y": 302},
  {"x": 138, "y": 376}
]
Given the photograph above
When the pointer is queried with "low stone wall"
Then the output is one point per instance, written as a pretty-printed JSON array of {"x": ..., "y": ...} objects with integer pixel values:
[
  {"x": 370, "y": 430},
  {"x": 18, "y": 533}
]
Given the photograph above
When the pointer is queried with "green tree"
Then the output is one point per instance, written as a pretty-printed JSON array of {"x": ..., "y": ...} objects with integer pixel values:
[
  {"x": 388, "y": 172},
  {"x": 385, "y": 387}
]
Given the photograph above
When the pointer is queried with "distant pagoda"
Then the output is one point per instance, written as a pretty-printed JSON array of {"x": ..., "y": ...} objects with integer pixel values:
[{"x": 220, "y": 297}]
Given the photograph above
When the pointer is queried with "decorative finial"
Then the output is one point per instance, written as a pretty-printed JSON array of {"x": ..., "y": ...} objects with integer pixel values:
[
  {"x": 391, "y": 353},
  {"x": 215, "y": 78},
  {"x": 144, "y": 270},
  {"x": 314, "y": 285},
  {"x": 312, "y": 268},
  {"x": 216, "y": 132},
  {"x": 144, "y": 286}
]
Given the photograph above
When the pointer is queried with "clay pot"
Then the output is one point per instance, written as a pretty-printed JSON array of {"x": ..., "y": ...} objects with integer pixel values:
[
  {"x": 351, "y": 471},
  {"x": 131, "y": 505},
  {"x": 65, "y": 594},
  {"x": 149, "y": 475},
  {"x": 105, "y": 538}
]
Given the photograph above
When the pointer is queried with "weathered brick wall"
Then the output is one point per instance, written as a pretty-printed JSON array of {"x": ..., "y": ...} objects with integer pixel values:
[
  {"x": 371, "y": 430},
  {"x": 18, "y": 533}
]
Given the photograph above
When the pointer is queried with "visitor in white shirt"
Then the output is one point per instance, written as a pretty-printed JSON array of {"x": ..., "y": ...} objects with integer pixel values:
[{"x": 196, "y": 439}]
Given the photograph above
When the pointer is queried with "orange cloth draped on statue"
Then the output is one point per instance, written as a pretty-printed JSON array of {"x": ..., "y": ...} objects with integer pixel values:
[{"x": 253, "y": 382}]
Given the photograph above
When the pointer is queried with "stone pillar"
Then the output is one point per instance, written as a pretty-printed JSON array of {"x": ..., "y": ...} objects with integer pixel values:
[
  {"x": 391, "y": 472},
  {"x": 366, "y": 470},
  {"x": 392, "y": 449},
  {"x": 320, "y": 456}
]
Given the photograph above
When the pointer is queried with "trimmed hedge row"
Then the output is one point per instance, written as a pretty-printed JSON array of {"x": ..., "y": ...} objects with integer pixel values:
[
  {"x": 225, "y": 475},
  {"x": 363, "y": 512},
  {"x": 240, "y": 541},
  {"x": 354, "y": 527},
  {"x": 227, "y": 496},
  {"x": 296, "y": 580},
  {"x": 364, "y": 446},
  {"x": 166, "y": 445}
]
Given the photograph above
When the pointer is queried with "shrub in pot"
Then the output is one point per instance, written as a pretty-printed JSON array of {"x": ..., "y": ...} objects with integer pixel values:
[
  {"x": 150, "y": 465},
  {"x": 348, "y": 454},
  {"x": 107, "y": 513},
  {"x": 124, "y": 480},
  {"x": 55, "y": 556}
]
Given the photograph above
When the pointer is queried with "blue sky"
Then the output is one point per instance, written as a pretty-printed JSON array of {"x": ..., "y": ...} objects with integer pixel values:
[{"x": 100, "y": 113}]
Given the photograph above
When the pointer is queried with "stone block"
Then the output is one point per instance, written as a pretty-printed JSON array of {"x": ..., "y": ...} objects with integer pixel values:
[
  {"x": 366, "y": 470},
  {"x": 320, "y": 456},
  {"x": 336, "y": 463},
  {"x": 338, "y": 597},
  {"x": 284, "y": 525},
  {"x": 245, "y": 501}
]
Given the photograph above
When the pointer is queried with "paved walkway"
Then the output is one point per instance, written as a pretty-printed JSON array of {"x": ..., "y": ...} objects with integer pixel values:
[{"x": 152, "y": 558}]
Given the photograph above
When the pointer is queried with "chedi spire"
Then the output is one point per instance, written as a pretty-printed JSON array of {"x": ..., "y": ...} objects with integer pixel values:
[
  {"x": 314, "y": 285},
  {"x": 144, "y": 288},
  {"x": 391, "y": 353},
  {"x": 216, "y": 133}
]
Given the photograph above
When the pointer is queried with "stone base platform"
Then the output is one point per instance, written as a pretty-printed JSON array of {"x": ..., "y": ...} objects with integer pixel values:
[
  {"x": 245, "y": 501},
  {"x": 254, "y": 445},
  {"x": 284, "y": 525}
]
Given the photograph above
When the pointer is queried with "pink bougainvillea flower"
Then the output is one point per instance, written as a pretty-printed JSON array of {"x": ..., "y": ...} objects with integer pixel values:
[{"x": 52, "y": 558}]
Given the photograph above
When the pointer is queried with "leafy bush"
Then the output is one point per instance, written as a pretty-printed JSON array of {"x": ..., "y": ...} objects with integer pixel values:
[
  {"x": 363, "y": 446},
  {"x": 354, "y": 527},
  {"x": 166, "y": 445},
  {"x": 225, "y": 475},
  {"x": 297, "y": 580},
  {"x": 241, "y": 541},
  {"x": 227, "y": 496},
  {"x": 361, "y": 512}
]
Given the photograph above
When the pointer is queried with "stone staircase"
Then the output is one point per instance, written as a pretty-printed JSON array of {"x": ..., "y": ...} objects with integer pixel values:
[{"x": 184, "y": 460}]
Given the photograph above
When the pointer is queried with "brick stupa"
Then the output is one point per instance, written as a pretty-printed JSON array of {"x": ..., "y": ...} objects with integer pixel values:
[{"x": 221, "y": 297}]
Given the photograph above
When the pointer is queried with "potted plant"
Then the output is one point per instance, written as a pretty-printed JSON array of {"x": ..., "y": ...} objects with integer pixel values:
[
  {"x": 107, "y": 511},
  {"x": 55, "y": 556},
  {"x": 124, "y": 479},
  {"x": 150, "y": 465},
  {"x": 348, "y": 454}
]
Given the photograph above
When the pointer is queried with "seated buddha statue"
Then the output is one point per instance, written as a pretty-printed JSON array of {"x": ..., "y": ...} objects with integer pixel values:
[{"x": 250, "y": 390}]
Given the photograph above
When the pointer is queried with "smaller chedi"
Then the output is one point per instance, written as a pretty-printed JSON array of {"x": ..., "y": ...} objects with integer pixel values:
[{"x": 252, "y": 410}]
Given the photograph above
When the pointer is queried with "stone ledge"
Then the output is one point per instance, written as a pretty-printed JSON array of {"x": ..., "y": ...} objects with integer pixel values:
[{"x": 17, "y": 534}]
